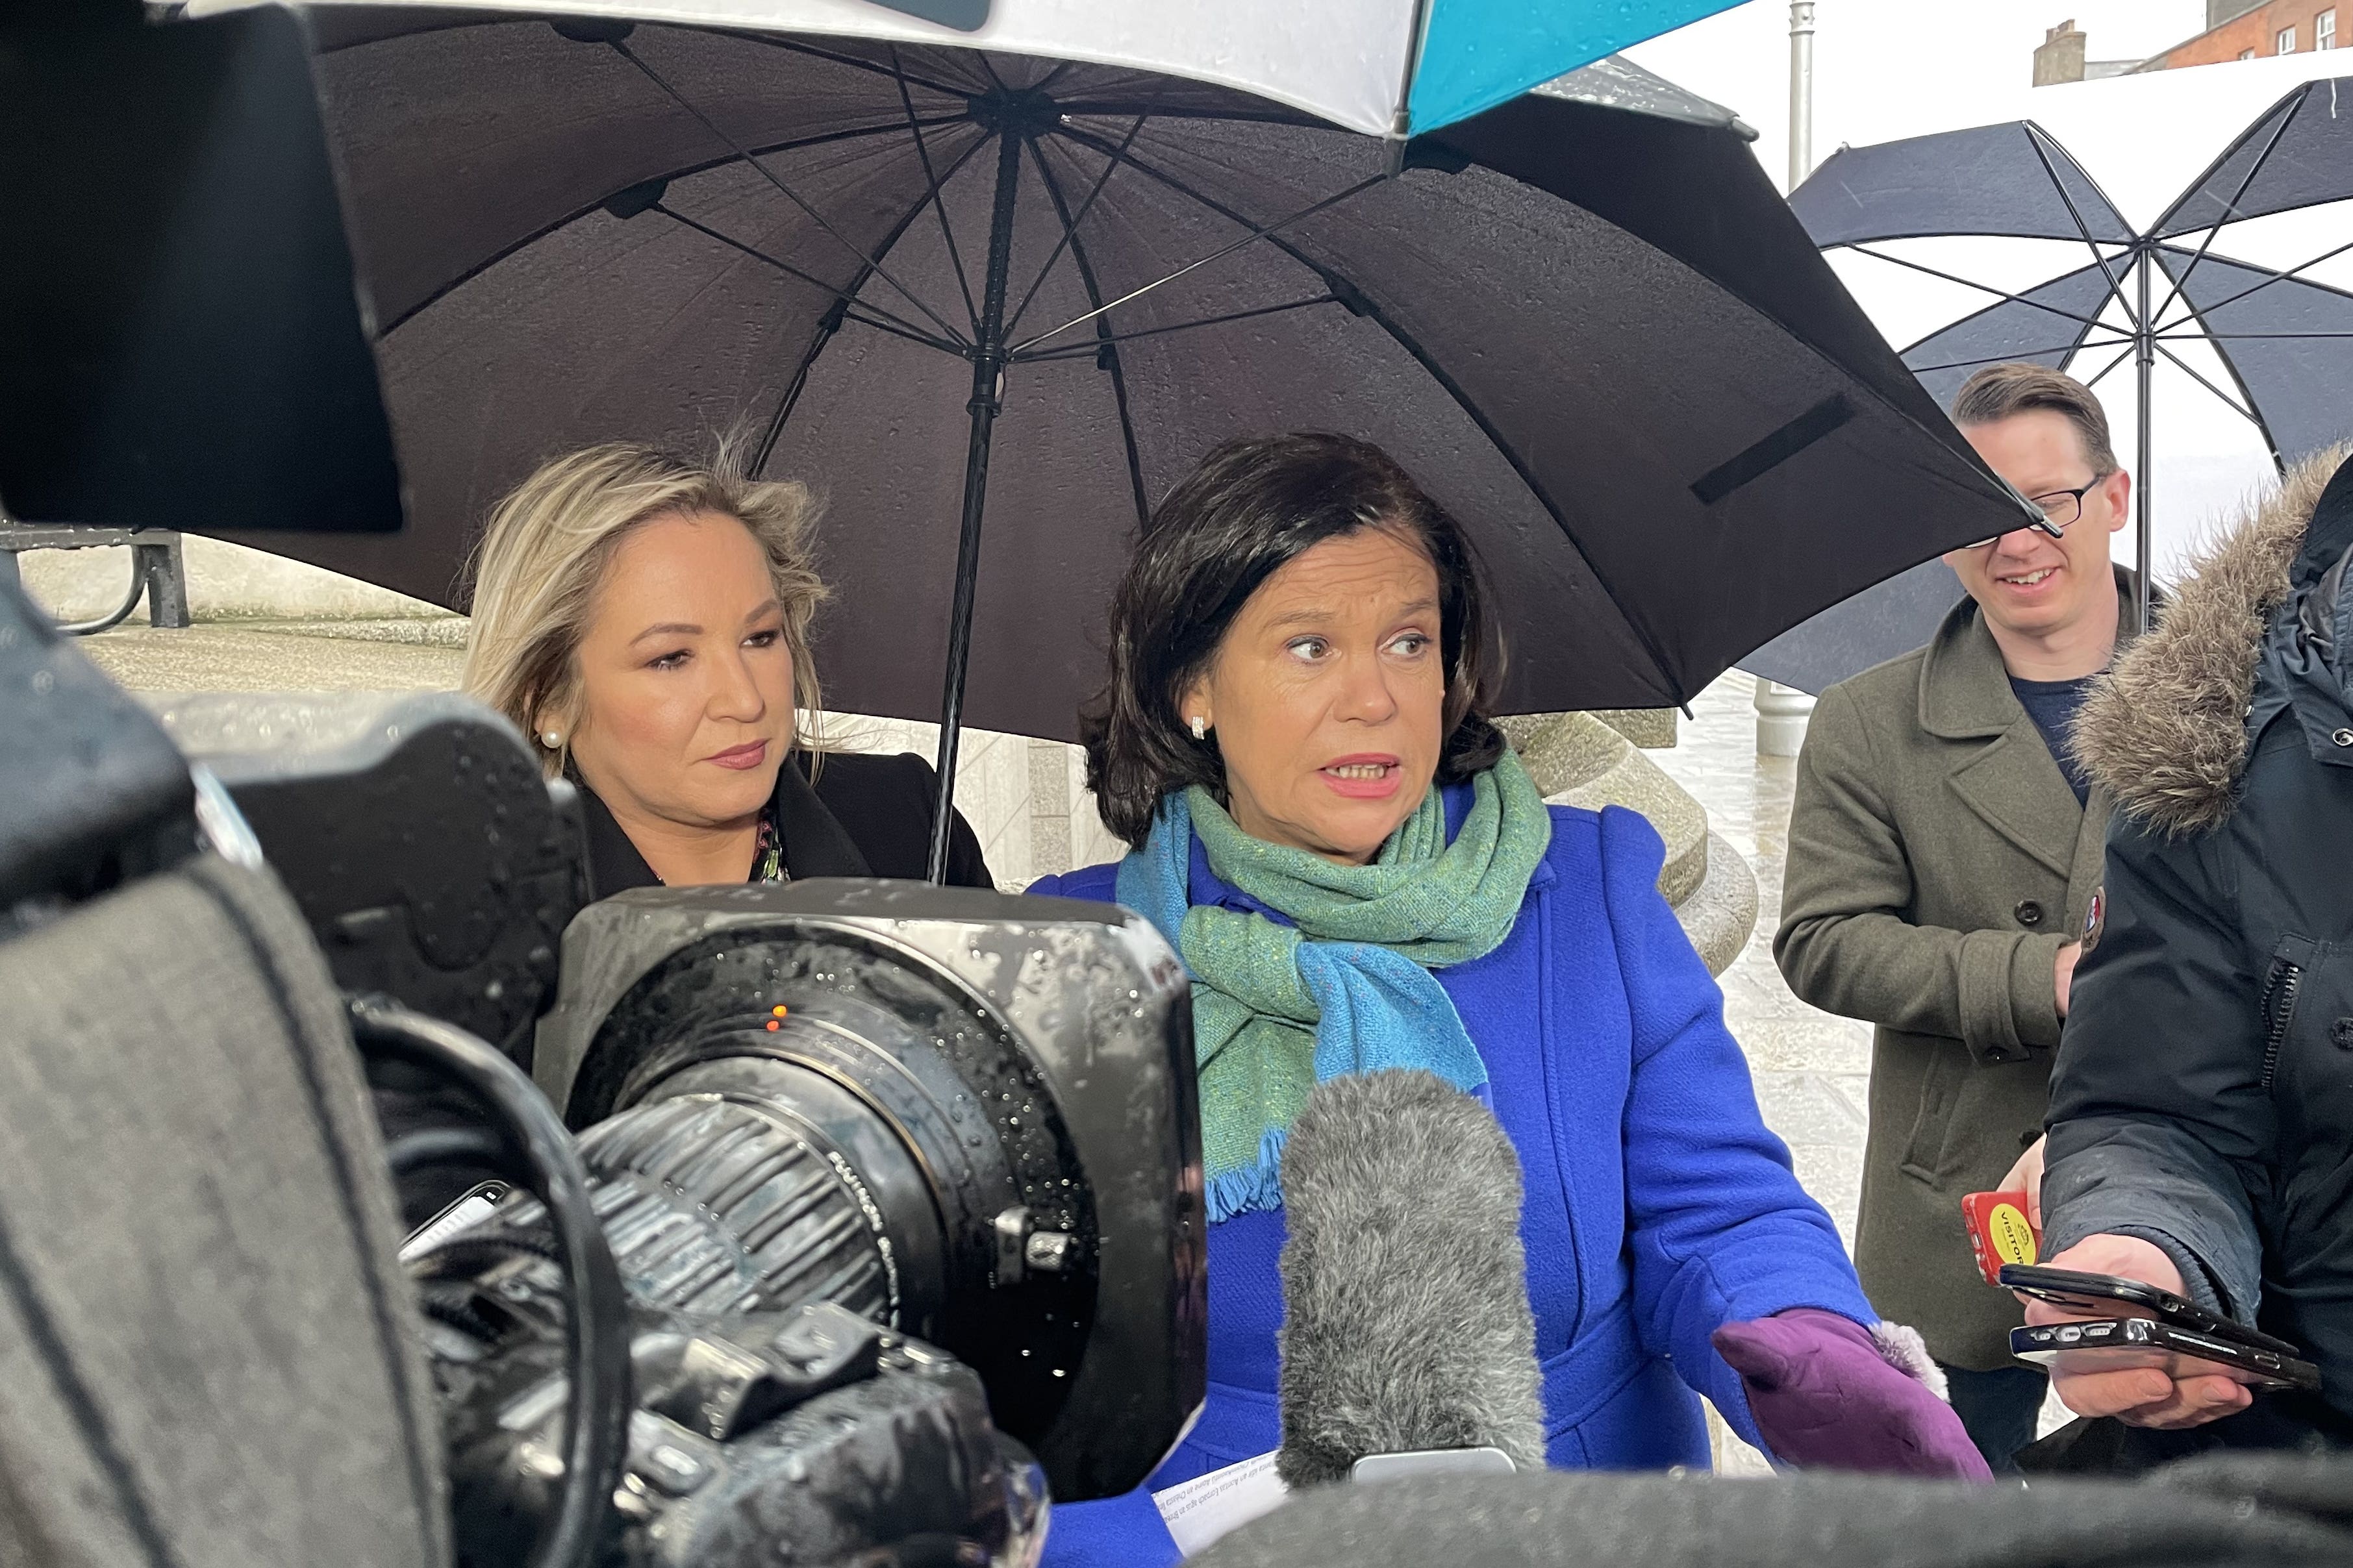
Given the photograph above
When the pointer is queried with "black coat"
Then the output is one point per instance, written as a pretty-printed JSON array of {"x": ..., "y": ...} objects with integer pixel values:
[
  {"x": 2203, "y": 1095},
  {"x": 865, "y": 816}
]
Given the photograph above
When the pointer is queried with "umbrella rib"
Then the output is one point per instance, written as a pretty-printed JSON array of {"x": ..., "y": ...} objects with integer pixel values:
[
  {"x": 2070, "y": 349},
  {"x": 955, "y": 257},
  {"x": 1861, "y": 249},
  {"x": 1070, "y": 223},
  {"x": 2112, "y": 365},
  {"x": 1117, "y": 369},
  {"x": 794, "y": 45},
  {"x": 1264, "y": 232},
  {"x": 2229, "y": 402},
  {"x": 1078, "y": 351},
  {"x": 1453, "y": 389},
  {"x": 792, "y": 397},
  {"x": 2271, "y": 277},
  {"x": 471, "y": 273},
  {"x": 827, "y": 327},
  {"x": 880, "y": 318},
  {"x": 623, "y": 49},
  {"x": 2229, "y": 208},
  {"x": 2287, "y": 108},
  {"x": 2116, "y": 284}
]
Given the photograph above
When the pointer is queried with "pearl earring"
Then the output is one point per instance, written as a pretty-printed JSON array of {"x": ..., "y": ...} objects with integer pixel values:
[
  {"x": 552, "y": 738},
  {"x": 1200, "y": 728}
]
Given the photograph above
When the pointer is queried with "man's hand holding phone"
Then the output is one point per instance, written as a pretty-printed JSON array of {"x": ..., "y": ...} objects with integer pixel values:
[{"x": 2138, "y": 1395}]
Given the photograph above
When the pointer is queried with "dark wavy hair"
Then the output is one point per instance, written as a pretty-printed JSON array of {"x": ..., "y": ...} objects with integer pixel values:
[{"x": 1250, "y": 507}]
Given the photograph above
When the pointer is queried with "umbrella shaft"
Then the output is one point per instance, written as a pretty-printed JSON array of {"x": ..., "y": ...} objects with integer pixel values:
[
  {"x": 988, "y": 397},
  {"x": 2143, "y": 546}
]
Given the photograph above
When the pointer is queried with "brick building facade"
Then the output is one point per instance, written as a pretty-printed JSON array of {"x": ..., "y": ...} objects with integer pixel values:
[
  {"x": 2259, "y": 32},
  {"x": 2235, "y": 30}
]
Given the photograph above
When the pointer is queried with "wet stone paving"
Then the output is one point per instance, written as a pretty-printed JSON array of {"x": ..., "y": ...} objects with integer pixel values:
[{"x": 1812, "y": 1070}]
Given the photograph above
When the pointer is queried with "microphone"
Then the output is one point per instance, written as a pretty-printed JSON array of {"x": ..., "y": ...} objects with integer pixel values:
[{"x": 1406, "y": 1321}]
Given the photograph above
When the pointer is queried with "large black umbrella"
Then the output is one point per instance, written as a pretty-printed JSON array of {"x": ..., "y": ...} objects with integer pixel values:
[
  {"x": 943, "y": 283},
  {"x": 2271, "y": 343}
]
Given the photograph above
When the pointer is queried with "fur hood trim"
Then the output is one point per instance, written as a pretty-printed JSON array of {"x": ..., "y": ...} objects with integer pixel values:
[{"x": 2166, "y": 732}]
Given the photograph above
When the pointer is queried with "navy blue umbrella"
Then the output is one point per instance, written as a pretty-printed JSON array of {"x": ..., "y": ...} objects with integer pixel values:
[{"x": 2137, "y": 298}]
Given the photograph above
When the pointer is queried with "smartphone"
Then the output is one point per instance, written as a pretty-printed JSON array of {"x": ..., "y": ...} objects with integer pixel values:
[
  {"x": 2000, "y": 1232},
  {"x": 2100, "y": 1293},
  {"x": 2112, "y": 1344},
  {"x": 475, "y": 1205}
]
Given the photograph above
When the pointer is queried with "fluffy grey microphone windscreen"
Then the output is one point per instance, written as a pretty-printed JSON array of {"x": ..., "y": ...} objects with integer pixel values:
[{"x": 1406, "y": 1321}]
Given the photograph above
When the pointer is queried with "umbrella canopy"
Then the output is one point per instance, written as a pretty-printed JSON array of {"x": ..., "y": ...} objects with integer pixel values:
[
  {"x": 2272, "y": 343},
  {"x": 1387, "y": 68},
  {"x": 1595, "y": 333}
]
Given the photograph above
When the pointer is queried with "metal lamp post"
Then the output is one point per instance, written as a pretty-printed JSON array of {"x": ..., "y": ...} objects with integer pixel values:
[{"x": 1782, "y": 710}]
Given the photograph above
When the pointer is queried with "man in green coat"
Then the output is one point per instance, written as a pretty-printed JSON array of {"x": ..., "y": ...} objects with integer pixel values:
[{"x": 1945, "y": 855}]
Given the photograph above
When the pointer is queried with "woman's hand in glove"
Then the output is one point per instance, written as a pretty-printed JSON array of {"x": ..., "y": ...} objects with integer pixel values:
[{"x": 1824, "y": 1393}]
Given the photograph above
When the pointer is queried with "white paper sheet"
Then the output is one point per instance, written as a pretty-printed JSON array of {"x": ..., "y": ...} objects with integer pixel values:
[{"x": 1199, "y": 1511}]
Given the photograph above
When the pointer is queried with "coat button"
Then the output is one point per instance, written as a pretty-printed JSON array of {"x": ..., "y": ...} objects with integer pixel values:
[
  {"x": 2341, "y": 1033},
  {"x": 2029, "y": 912},
  {"x": 2343, "y": 737}
]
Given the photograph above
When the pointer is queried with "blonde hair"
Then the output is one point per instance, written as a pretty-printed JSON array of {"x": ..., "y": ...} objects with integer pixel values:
[{"x": 547, "y": 544}]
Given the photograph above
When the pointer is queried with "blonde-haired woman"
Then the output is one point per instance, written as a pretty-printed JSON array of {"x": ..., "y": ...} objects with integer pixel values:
[{"x": 646, "y": 621}]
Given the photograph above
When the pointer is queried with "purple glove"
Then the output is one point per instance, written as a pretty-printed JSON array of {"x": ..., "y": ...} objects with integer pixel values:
[{"x": 1824, "y": 1393}]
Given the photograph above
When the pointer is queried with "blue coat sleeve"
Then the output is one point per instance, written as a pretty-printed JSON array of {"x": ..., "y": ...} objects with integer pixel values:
[
  {"x": 1124, "y": 1532},
  {"x": 1719, "y": 1228}
]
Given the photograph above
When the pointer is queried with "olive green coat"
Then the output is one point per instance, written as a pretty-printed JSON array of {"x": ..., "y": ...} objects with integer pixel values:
[{"x": 1937, "y": 862}]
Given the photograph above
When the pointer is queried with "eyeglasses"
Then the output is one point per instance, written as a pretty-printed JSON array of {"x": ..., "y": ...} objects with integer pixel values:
[{"x": 2060, "y": 509}]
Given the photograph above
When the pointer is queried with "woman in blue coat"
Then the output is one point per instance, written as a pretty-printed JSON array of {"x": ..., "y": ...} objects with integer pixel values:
[{"x": 1359, "y": 875}]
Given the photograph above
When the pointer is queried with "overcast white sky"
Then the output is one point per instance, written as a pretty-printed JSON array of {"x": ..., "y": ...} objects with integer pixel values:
[
  {"x": 1891, "y": 69},
  {"x": 1884, "y": 69}
]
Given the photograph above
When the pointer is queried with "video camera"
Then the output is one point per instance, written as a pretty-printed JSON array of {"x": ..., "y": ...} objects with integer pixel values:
[{"x": 893, "y": 1173}]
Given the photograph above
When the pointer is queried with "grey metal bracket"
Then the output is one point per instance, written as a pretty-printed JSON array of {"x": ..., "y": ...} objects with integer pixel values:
[{"x": 158, "y": 573}]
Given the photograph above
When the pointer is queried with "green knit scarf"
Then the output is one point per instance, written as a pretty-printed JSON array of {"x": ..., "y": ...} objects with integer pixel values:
[{"x": 1346, "y": 988}]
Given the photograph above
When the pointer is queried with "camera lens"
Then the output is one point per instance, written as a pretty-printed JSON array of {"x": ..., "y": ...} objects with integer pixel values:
[
  {"x": 785, "y": 1118},
  {"x": 714, "y": 1205},
  {"x": 967, "y": 1116}
]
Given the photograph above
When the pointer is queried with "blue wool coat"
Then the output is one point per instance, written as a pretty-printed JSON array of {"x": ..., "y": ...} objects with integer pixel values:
[{"x": 1658, "y": 1208}]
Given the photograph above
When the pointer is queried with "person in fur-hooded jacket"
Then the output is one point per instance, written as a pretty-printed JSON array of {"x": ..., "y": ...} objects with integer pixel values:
[{"x": 2201, "y": 1119}]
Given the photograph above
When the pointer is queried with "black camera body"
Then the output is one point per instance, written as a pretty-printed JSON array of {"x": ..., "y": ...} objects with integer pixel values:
[
  {"x": 1000, "y": 1087},
  {"x": 428, "y": 854},
  {"x": 809, "y": 1436},
  {"x": 904, "y": 1182}
]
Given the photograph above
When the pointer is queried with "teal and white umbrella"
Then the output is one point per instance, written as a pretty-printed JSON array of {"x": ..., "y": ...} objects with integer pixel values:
[{"x": 1385, "y": 67}]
